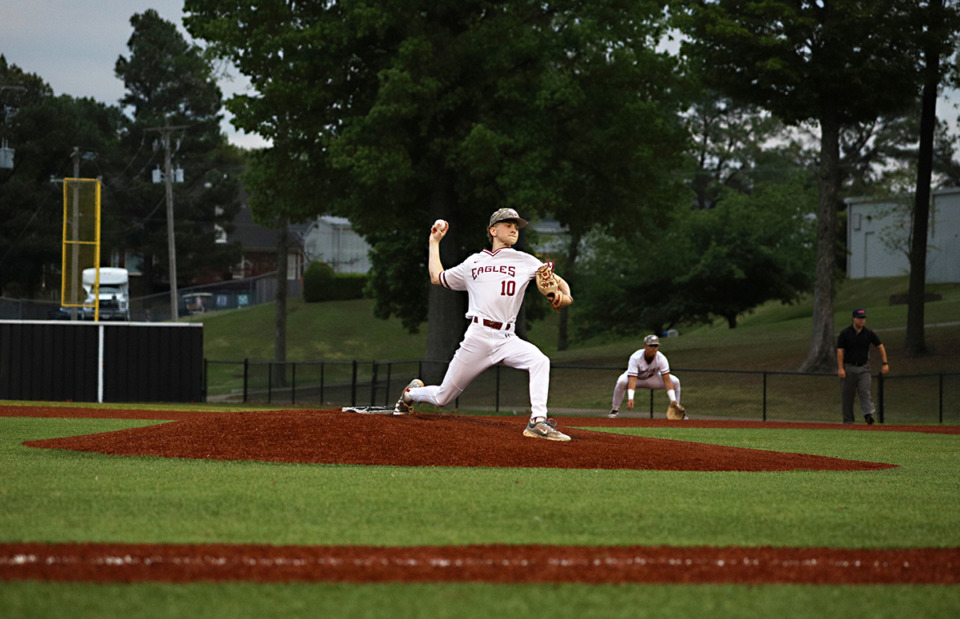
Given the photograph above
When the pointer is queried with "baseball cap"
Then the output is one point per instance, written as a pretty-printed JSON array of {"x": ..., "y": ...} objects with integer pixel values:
[
  {"x": 507, "y": 214},
  {"x": 651, "y": 340},
  {"x": 859, "y": 313}
]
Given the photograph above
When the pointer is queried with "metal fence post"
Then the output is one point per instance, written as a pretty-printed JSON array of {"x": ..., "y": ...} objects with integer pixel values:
[
  {"x": 386, "y": 395},
  {"x": 353, "y": 385},
  {"x": 293, "y": 386},
  {"x": 941, "y": 397},
  {"x": 496, "y": 406},
  {"x": 651, "y": 404},
  {"x": 373, "y": 384},
  {"x": 764, "y": 396},
  {"x": 880, "y": 399},
  {"x": 246, "y": 373},
  {"x": 270, "y": 382}
]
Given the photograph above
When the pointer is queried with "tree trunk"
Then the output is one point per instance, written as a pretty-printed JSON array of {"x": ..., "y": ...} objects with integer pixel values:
[
  {"x": 280, "y": 308},
  {"x": 445, "y": 308},
  {"x": 569, "y": 269},
  {"x": 915, "y": 343},
  {"x": 822, "y": 355}
]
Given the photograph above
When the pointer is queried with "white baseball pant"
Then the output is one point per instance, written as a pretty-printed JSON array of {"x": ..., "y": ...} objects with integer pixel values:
[
  {"x": 483, "y": 347},
  {"x": 654, "y": 382}
]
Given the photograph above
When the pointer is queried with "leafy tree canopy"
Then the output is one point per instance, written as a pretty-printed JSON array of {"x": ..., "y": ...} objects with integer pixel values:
[
  {"x": 170, "y": 83},
  {"x": 44, "y": 131},
  {"x": 404, "y": 112}
]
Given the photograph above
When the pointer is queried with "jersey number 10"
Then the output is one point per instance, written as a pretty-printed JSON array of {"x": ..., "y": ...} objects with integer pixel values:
[{"x": 508, "y": 288}]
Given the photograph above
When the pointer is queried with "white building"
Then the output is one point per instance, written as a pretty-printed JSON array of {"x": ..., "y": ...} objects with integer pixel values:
[
  {"x": 878, "y": 238},
  {"x": 332, "y": 240}
]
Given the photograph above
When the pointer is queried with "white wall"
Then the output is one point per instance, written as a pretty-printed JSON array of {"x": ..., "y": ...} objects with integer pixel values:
[
  {"x": 878, "y": 238},
  {"x": 332, "y": 240}
]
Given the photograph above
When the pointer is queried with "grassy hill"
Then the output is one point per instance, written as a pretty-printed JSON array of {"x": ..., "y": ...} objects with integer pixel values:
[{"x": 773, "y": 337}]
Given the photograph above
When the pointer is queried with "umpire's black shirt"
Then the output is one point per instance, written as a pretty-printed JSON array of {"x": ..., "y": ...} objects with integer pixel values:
[{"x": 856, "y": 346}]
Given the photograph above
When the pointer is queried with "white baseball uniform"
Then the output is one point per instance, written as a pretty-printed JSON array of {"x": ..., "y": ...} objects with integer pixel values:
[
  {"x": 649, "y": 375},
  {"x": 495, "y": 282}
]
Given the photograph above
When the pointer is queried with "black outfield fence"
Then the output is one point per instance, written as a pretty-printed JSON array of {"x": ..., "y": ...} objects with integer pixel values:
[
  {"x": 588, "y": 390},
  {"x": 85, "y": 361}
]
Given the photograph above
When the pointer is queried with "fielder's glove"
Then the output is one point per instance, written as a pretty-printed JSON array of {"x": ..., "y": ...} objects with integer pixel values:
[
  {"x": 675, "y": 411},
  {"x": 548, "y": 286}
]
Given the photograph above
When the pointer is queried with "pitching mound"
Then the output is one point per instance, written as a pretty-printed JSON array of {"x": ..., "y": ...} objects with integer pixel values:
[{"x": 333, "y": 437}]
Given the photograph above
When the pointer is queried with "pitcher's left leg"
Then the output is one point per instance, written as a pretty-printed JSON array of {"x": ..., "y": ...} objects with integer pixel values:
[{"x": 523, "y": 355}]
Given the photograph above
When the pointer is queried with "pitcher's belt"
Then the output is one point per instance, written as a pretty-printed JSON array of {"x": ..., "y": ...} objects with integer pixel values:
[{"x": 499, "y": 326}]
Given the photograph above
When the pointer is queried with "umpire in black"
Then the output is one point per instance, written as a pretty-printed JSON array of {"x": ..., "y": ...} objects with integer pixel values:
[{"x": 853, "y": 356}]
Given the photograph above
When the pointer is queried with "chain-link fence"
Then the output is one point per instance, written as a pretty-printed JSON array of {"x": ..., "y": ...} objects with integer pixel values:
[
  {"x": 31, "y": 309},
  {"x": 588, "y": 390}
]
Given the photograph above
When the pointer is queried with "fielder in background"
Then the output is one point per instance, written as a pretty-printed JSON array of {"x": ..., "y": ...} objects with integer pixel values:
[
  {"x": 648, "y": 368},
  {"x": 495, "y": 280},
  {"x": 853, "y": 361}
]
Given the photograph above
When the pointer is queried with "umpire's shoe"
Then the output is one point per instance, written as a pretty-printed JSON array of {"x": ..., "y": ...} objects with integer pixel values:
[
  {"x": 542, "y": 427},
  {"x": 405, "y": 404}
]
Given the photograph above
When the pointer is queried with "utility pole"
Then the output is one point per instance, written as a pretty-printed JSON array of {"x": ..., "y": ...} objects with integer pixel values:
[{"x": 168, "y": 179}]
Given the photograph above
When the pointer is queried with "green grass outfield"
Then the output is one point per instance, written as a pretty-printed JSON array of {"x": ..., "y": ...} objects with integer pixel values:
[{"x": 57, "y": 496}]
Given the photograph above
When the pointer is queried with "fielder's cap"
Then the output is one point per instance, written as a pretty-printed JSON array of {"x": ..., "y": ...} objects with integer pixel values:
[
  {"x": 507, "y": 214},
  {"x": 859, "y": 313},
  {"x": 651, "y": 340}
]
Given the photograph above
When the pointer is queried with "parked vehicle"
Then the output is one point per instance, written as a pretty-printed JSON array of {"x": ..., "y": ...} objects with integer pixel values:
[
  {"x": 114, "y": 293},
  {"x": 196, "y": 302}
]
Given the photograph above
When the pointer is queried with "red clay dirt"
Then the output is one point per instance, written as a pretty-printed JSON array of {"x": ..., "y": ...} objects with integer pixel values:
[{"x": 334, "y": 437}]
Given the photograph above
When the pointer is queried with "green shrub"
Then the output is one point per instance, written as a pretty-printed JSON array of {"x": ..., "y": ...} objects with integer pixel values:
[{"x": 320, "y": 283}]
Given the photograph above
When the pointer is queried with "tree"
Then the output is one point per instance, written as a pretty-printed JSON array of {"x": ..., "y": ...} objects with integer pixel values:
[
  {"x": 837, "y": 63},
  {"x": 719, "y": 262},
  {"x": 730, "y": 147},
  {"x": 44, "y": 130},
  {"x": 749, "y": 249},
  {"x": 169, "y": 83},
  {"x": 449, "y": 109},
  {"x": 274, "y": 201},
  {"x": 941, "y": 24}
]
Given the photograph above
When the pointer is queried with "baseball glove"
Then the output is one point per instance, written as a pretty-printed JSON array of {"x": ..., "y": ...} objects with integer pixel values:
[
  {"x": 548, "y": 285},
  {"x": 675, "y": 411}
]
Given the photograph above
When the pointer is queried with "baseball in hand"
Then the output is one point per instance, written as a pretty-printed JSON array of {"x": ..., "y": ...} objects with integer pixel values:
[{"x": 439, "y": 225}]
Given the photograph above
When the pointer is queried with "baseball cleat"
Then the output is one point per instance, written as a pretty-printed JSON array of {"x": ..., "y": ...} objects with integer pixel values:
[
  {"x": 405, "y": 404},
  {"x": 869, "y": 419},
  {"x": 545, "y": 428},
  {"x": 613, "y": 414}
]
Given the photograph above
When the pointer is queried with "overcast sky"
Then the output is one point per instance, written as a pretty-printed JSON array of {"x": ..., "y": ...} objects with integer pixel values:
[{"x": 73, "y": 46}]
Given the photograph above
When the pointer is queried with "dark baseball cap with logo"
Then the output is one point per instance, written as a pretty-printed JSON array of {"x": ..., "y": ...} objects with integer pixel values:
[{"x": 859, "y": 313}]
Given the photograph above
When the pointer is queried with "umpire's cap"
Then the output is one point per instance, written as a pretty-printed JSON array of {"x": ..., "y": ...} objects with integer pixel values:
[{"x": 506, "y": 214}]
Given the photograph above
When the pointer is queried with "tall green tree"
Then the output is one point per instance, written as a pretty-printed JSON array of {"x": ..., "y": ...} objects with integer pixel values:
[
  {"x": 836, "y": 63},
  {"x": 405, "y": 112},
  {"x": 170, "y": 83},
  {"x": 941, "y": 22},
  {"x": 44, "y": 130}
]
